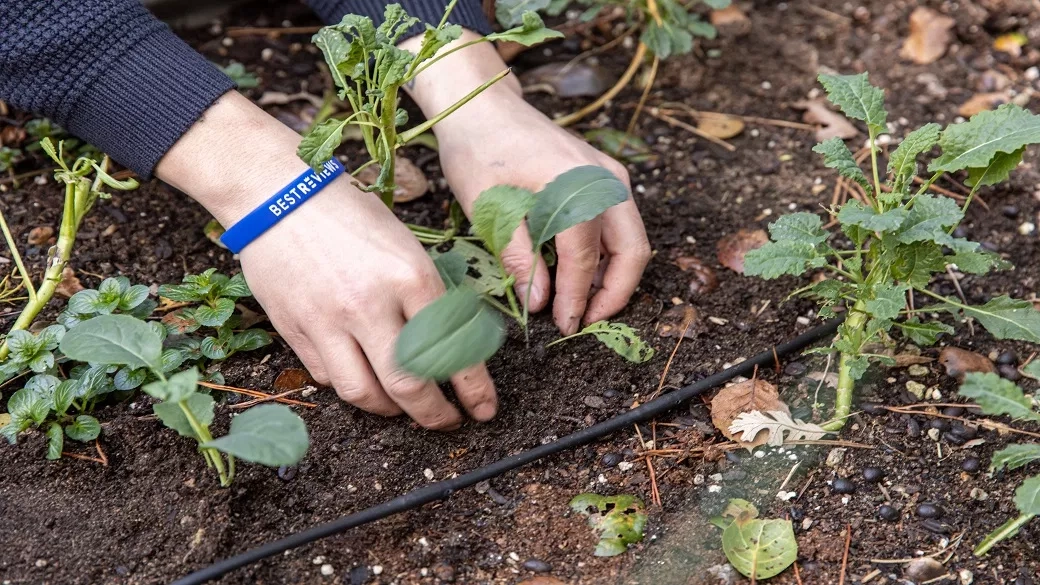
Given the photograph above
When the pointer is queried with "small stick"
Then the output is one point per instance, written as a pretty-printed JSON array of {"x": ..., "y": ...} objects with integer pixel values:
[
  {"x": 960, "y": 293},
  {"x": 269, "y": 398},
  {"x": 776, "y": 361},
  {"x": 655, "y": 495},
  {"x": 83, "y": 457},
  {"x": 845, "y": 557},
  {"x": 797, "y": 575},
  {"x": 670, "y": 108},
  {"x": 101, "y": 454},
  {"x": 28, "y": 175},
  {"x": 987, "y": 423},
  {"x": 668, "y": 365},
  {"x": 691, "y": 129},
  {"x": 633, "y": 66},
  {"x": 258, "y": 394}
]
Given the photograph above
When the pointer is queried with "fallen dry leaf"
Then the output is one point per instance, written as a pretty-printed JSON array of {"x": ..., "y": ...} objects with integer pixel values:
[
  {"x": 704, "y": 280},
  {"x": 69, "y": 284},
  {"x": 542, "y": 580},
  {"x": 39, "y": 236},
  {"x": 959, "y": 362},
  {"x": 731, "y": 249},
  {"x": 567, "y": 80},
  {"x": 1010, "y": 43},
  {"x": 981, "y": 102},
  {"x": 293, "y": 379},
  {"x": 930, "y": 36},
  {"x": 4, "y": 419},
  {"x": 248, "y": 317},
  {"x": 411, "y": 182},
  {"x": 924, "y": 569},
  {"x": 831, "y": 124},
  {"x": 731, "y": 21},
  {"x": 673, "y": 322},
  {"x": 908, "y": 359},
  {"x": 720, "y": 125},
  {"x": 746, "y": 396}
]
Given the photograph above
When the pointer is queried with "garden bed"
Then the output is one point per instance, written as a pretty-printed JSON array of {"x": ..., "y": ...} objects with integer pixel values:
[{"x": 154, "y": 513}]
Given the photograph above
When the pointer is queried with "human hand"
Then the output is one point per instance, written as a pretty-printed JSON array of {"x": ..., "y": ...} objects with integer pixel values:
[
  {"x": 498, "y": 138},
  {"x": 338, "y": 277}
]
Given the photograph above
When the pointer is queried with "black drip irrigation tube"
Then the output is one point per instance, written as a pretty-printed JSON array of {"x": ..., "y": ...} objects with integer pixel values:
[{"x": 444, "y": 489}]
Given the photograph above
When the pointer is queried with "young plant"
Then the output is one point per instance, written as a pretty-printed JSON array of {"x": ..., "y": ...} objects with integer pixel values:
[
  {"x": 81, "y": 192},
  {"x": 8, "y": 157},
  {"x": 269, "y": 434},
  {"x": 897, "y": 239},
  {"x": 756, "y": 547},
  {"x": 618, "y": 520}
]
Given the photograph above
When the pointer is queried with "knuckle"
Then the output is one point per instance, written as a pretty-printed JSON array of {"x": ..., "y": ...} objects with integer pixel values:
[
  {"x": 642, "y": 251},
  {"x": 405, "y": 387},
  {"x": 353, "y": 393},
  {"x": 620, "y": 170}
]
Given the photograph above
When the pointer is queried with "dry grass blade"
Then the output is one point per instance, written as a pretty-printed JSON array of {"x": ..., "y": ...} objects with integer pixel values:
[
  {"x": 263, "y": 397},
  {"x": 689, "y": 128},
  {"x": 626, "y": 77}
]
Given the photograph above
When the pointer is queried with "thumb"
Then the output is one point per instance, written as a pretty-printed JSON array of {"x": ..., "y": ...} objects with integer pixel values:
[{"x": 517, "y": 259}]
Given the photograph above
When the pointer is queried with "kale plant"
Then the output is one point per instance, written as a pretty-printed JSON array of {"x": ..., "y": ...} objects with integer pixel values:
[{"x": 898, "y": 239}]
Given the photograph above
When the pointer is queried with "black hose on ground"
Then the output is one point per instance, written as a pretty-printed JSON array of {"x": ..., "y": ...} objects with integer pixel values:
[{"x": 443, "y": 489}]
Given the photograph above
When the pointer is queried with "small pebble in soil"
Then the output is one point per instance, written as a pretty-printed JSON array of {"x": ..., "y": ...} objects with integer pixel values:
[
  {"x": 1007, "y": 358},
  {"x": 610, "y": 460},
  {"x": 954, "y": 439},
  {"x": 840, "y": 485},
  {"x": 940, "y": 424},
  {"x": 888, "y": 513},
  {"x": 913, "y": 428},
  {"x": 732, "y": 457},
  {"x": 797, "y": 514},
  {"x": 444, "y": 572},
  {"x": 929, "y": 510},
  {"x": 873, "y": 474},
  {"x": 964, "y": 431},
  {"x": 971, "y": 464},
  {"x": 953, "y": 411},
  {"x": 327, "y": 570},
  {"x": 795, "y": 369},
  {"x": 287, "y": 472},
  {"x": 872, "y": 408},
  {"x": 1009, "y": 373},
  {"x": 594, "y": 402},
  {"x": 537, "y": 566},
  {"x": 917, "y": 370},
  {"x": 1010, "y": 211}
]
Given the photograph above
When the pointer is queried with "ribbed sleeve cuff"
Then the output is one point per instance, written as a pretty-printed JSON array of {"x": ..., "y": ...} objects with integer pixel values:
[
  {"x": 467, "y": 13},
  {"x": 147, "y": 99}
]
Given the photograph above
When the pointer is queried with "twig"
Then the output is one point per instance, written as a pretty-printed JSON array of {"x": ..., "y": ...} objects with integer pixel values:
[
  {"x": 960, "y": 293},
  {"x": 83, "y": 458},
  {"x": 948, "y": 193},
  {"x": 626, "y": 77},
  {"x": 269, "y": 398},
  {"x": 655, "y": 494},
  {"x": 28, "y": 175},
  {"x": 691, "y": 129},
  {"x": 797, "y": 575},
  {"x": 845, "y": 556},
  {"x": 256, "y": 394},
  {"x": 679, "y": 107},
  {"x": 642, "y": 101},
  {"x": 101, "y": 454},
  {"x": 664, "y": 374},
  {"x": 789, "y": 476}
]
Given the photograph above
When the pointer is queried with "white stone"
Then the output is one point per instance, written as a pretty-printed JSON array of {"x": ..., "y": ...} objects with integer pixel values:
[
  {"x": 714, "y": 489},
  {"x": 1027, "y": 228},
  {"x": 377, "y": 569},
  {"x": 428, "y": 473},
  {"x": 624, "y": 465},
  {"x": 318, "y": 560},
  {"x": 327, "y": 570}
]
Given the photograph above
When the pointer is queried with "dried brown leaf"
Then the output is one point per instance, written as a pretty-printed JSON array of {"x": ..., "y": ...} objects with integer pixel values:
[
  {"x": 38, "y": 236},
  {"x": 930, "y": 36},
  {"x": 831, "y": 124},
  {"x": 293, "y": 379},
  {"x": 747, "y": 396},
  {"x": 704, "y": 280},
  {"x": 981, "y": 102},
  {"x": 411, "y": 182},
  {"x": 69, "y": 284},
  {"x": 731, "y": 249},
  {"x": 959, "y": 362},
  {"x": 674, "y": 321},
  {"x": 720, "y": 125},
  {"x": 731, "y": 21}
]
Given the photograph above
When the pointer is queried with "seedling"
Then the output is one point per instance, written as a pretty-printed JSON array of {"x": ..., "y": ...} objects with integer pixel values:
[
  {"x": 8, "y": 157},
  {"x": 896, "y": 240},
  {"x": 618, "y": 520},
  {"x": 758, "y": 548},
  {"x": 270, "y": 434}
]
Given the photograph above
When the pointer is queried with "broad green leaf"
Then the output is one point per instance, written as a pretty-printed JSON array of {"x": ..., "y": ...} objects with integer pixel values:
[
  {"x": 857, "y": 98},
  {"x": 837, "y": 156},
  {"x": 216, "y": 348},
  {"x": 129, "y": 378},
  {"x": 1027, "y": 496},
  {"x": 974, "y": 144},
  {"x": 63, "y": 396},
  {"x": 997, "y": 171},
  {"x": 618, "y": 520},
  {"x": 85, "y": 302},
  {"x": 488, "y": 278},
  {"x": 977, "y": 262},
  {"x": 55, "y": 441},
  {"x": 452, "y": 268},
  {"x": 915, "y": 263},
  {"x": 23, "y": 344},
  {"x": 757, "y": 548},
  {"x": 576, "y": 196},
  {"x": 454, "y": 332},
  {"x": 269, "y": 434},
  {"x": 181, "y": 293},
  {"x": 622, "y": 339},
  {"x": 995, "y": 395},
  {"x": 434, "y": 39},
  {"x": 856, "y": 213},
  {"x": 1004, "y": 318},
  {"x": 510, "y": 13},
  {"x": 1032, "y": 369},
  {"x": 216, "y": 315},
  {"x": 902, "y": 163},
  {"x": 236, "y": 287},
  {"x": 318, "y": 146},
  {"x": 14, "y": 427},
  {"x": 133, "y": 296},
  {"x": 887, "y": 302},
  {"x": 1015, "y": 456},
  {"x": 42, "y": 362},
  {"x": 250, "y": 339},
  {"x": 176, "y": 388},
  {"x": 114, "y": 340},
  {"x": 85, "y": 428},
  {"x": 531, "y": 32},
  {"x": 798, "y": 227},
  {"x": 923, "y": 333},
  {"x": 928, "y": 220},
  {"x": 498, "y": 212},
  {"x": 776, "y": 259},
  {"x": 172, "y": 414}
]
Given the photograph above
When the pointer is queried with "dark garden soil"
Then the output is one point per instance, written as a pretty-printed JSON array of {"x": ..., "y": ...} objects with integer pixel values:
[{"x": 155, "y": 513}]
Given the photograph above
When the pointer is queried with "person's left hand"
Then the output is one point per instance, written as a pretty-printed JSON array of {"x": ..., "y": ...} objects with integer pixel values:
[{"x": 498, "y": 138}]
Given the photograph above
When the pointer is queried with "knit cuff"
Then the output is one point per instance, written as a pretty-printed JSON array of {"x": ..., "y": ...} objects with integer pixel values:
[
  {"x": 147, "y": 99},
  {"x": 467, "y": 13}
]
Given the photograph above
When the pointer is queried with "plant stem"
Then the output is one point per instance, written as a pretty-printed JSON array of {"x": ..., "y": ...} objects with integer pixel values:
[
  {"x": 637, "y": 60},
  {"x": 928, "y": 183},
  {"x": 205, "y": 437},
  {"x": 1008, "y": 530},
  {"x": 939, "y": 297},
  {"x": 26, "y": 279},
  {"x": 854, "y": 326},
  {"x": 571, "y": 336},
  {"x": 410, "y": 135},
  {"x": 874, "y": 167},
  {"x": 535, "y": 258}
]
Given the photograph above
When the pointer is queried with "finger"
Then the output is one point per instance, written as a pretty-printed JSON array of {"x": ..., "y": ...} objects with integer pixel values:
[
  {"x": 516, "y": 259},
  {"x": 353, "y": 379},
  {"x": 629, "y": 252},
  {"x": 578, "y": 252},
  {"x": 305, "y": 350},
  {"x": 476, "y": 392}
]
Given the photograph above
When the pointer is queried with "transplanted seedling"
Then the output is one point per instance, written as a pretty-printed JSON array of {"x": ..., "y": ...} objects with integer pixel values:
[
  {"x": 756, "y": 547},
  {"x": 269, "y": 434},
  {"x": 618, "y": 520},
  {"x": 894, "y": 241}
]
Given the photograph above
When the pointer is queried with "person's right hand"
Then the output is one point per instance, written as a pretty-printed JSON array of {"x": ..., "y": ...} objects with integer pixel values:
[{"x": 338, "y": 277}]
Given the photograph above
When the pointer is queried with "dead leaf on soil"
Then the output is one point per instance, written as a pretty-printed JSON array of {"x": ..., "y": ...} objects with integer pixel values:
[
  {"x": 908, "y": 359},
  {"x": 542, "y": 580},
  {"x": 747, "y": 396},
  {"x": 924, "y": 569},
  {"x": 731, "y": 249},
  {"x": 4, "y": 419},
  {"x": 69, "y": 284},
  {"x": 981, "y": 102},
  {"x": 248, "y": 317},
  {"x": 959, "y": 362},
  {"x": 411, "y": 182},
  {"x": 831, "y": 124},
  {"x": 930, "y": 36},
  {"x": 40, "y": 235},
  {"x": 674, "y": 321},
  {"x": 1010, "y": 43},
  {"x": 720, "y": 125},
  {"x": 704, "y": 280},
  {"x": 293, "y": 379},
  {"x": 567, "y": 80},
  {"x": 731, "y": 21}
]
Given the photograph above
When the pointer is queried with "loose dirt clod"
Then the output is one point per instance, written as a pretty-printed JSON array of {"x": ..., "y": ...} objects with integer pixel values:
[
  {"x": 731, "y": 21},
  {"x": 929, "y": 38},
  {"x": 704, "y": 280},
  {"x": 69, "y": 284},
  {"x": 39, "y": 236}
]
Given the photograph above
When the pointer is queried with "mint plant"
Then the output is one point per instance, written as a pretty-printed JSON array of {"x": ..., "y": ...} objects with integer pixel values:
[
  {"x": 8, "y": 157},
  {"x": 269, "y": 434},
  {"x": 891, "y": 245}
]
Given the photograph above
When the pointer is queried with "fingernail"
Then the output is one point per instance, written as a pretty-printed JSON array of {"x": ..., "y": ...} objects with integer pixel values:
[{"x": 485, "y": 411}]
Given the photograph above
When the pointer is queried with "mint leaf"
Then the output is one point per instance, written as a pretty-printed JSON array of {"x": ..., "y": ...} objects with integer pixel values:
[
  {"x": 973, "y": 144},
  {"x": 1004, "y": 317},
  {"x": 497, "y": 213},
  {"x": 837, "y": 156},
  {"x": 997, "y": 171},
  {"x": 1015, "y": 456},
  {"x": 85, "y": 428},
  {"x": 998, "y": 396},
  {"x": 923, "y": 333},
  {"x": 856, "y": 213},
  {"x": 775, "y": 259},
  {"x": 250, "y": 339},
  {"x": 902, "y": 163},
  {"x": 216, "y": 315},
  {"x": 857, "y": 98},
  {"x": 55, "y": 441},
  {"x": 235, "y": 287},
  {"x": 63, "y": 396},
  {"x": 888, "y": 301},
  {"x": 269, "y": 434},
  {"x": 928, "y": 219},
  {"x": 798, "y": 227},
  {"x": 574, "y": 197},
  {"x": 132, "y": 297}
]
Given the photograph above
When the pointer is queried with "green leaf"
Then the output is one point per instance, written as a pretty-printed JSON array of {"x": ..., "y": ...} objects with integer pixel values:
[
  {"x": 454, "y": 332},
  {"x": 1004, "y": 318},
  {"x": 216, "y": 349},
  {"x": 1027, "y": 496},
  {"x": 86, "y": 302},
  {"x": 319, "y": 145},
  {"x": 620, "y": 145},
  {"x": 856, "y": 213},
  {"x": 235, "y": 287},
  {"x": 1032, "y": 369},
  {"x": 216, "y": 315},
  {"x": 85, "y": 428},
  {"x": 974, "y": 144},
  {"x": 452, "y": 268},
  {"x": 172, "y": 415},
  {"x": 902, "y": 163},
  {"x": 531, "y": 32},
  {"x": 923, "y": 333},
  {"x": 133, "y": 296},
  {"x": 717, "y": 4},
  {"x": 489, "y": 279},
  {"x": 978, "y": 262},
  {"x": 55, "y": 441},
  {"x": 1015, "y": 456},
  {"x": 997, "y": 171},
  {"x": 837, "y": 156},
  {"x": 114, "y": 340},
  {"x": 618, "y": 520},
  {"x": 857, "y": 366},
  {"x": 250, "y": 339},
  {"x": 63, "y": 396},
  {"x": 269, "y": 434},
  {"x": 798, "y": 227},
  {"x": 778, "y": 258},
  {"x": 181, "y": 293},
  {"x": 928, "y": 220},
  {"x": 395, "y": 23},
  {"x": 915, "y": 263},
  {"x": 176, "y": 388},
  {"x": 510, "y": 13},
  {"x": 622, "y": 339},
  {"x": 857, "y": 98},
  {"x": 434, "y": 39},
  {"x": 887, "y": 302},
  {"x": 497, "y": 213},
  {"x": 757, "y": 548},
  {"x": 574, "y": 197},
  {"x": 995, "y": 395}
]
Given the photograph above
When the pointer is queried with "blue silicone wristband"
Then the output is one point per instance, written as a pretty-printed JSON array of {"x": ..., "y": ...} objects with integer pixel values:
[{"x": 281, "y": 204}]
